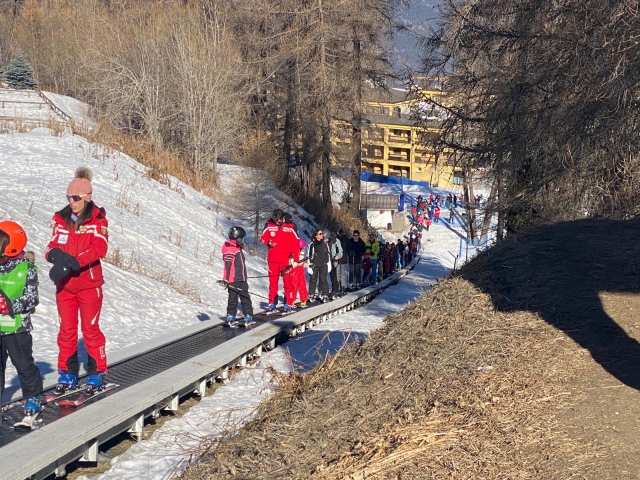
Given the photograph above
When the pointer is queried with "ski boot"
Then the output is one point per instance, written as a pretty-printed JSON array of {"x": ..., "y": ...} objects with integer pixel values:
[
  {"x": 31, "y": 406},
  {"x": 324, "y": 299},
  {"x": 286, "y": 308},
  {"x": 66, "y": 381},
  {"x": 303, "y": 304},
  {"x": 230, "y": 321},
  {"x": 249, "y": 321},
  {"x": 272, "y": 307},
  {"x": 94, "y": 382}
]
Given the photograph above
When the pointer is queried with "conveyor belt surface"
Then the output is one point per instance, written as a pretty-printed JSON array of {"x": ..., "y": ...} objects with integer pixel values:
[{"x": 129, "y": 372}]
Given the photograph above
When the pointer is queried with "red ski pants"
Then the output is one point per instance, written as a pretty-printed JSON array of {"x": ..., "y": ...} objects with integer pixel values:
[
  {"x": 88, "y": 304},
  {"x": 299, "y": 285},
  {"x": 275, "y": 268}
]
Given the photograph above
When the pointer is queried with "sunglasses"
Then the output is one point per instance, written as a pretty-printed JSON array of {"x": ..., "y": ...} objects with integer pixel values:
[
  {"x": 76, "y": 198},
  {"x": 319, "y": 233}
]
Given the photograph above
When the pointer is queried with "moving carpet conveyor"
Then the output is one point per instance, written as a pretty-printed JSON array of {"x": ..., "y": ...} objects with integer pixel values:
[{"x": 154, "y": 376}]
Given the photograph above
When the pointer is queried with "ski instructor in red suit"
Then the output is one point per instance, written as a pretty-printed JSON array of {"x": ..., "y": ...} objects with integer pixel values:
[
  {"x": 284, "y": 244},
  {"x": 80, "y": 238}
]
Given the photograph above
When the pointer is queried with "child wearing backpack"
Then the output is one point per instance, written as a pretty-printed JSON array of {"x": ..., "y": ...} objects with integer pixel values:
[
  {"x": 18, "y": 297},
  {"x": 235, "y": 276}
]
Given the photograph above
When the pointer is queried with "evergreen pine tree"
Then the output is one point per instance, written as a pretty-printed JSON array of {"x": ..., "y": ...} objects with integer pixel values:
[{"x": 19, "y": 73}]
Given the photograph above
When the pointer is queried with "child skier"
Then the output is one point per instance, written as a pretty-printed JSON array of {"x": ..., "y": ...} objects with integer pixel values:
[
  {"x": 18, "y": 297},
  {"x": 366, "y": 268},
  {"x": 298, "y": 278},
  {"x": 235, "y": 274}
]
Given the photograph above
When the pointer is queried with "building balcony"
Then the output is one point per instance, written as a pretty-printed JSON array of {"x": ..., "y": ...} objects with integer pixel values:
[
  {"x": 376, "y": 158},
  {"x": 398, "y": 158},
  {"x": 399, "y": 139}
]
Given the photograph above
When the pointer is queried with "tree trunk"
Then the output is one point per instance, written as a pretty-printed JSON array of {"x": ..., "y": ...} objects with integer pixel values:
[{"x": 469, "y": 204}]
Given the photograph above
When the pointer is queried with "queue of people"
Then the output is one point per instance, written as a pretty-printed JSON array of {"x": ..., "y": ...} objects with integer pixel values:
[{"x": 335, "y": 263}]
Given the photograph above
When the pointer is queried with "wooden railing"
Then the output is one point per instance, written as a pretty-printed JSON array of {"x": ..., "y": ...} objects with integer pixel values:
[{"x": 54, "y": 107}]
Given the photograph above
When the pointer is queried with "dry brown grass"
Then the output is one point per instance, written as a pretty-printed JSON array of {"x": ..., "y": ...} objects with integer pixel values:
[
  {"x": 334, "y": 218},
  {"x": 133, "y": 262},
  {"x": 411, "y": 403},
  {"x": 162, "y": 163}
]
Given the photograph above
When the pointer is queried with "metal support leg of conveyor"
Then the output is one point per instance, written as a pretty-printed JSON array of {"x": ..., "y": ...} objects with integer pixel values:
[
  {"x": 223, "y": 375},
  {"x": 91, "y": 455},
  {"x": 173, "y": 403},
  {"x": 137, "y": 428},
  {"x": 202, "y": 388}
]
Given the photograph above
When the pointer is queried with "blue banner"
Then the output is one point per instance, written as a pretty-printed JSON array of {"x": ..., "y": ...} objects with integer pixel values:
[{"x": 376, "y": 177}]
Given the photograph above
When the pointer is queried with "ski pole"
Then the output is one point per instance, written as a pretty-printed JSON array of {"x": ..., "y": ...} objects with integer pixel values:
[{"x": 225, "y": 284}]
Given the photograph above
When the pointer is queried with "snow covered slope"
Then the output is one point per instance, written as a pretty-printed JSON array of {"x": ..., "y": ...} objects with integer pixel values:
[{"x": 164, "y": 253}]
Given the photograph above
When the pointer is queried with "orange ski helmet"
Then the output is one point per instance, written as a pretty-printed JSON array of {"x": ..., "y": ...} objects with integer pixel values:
[{"x": 17, "y": 238}]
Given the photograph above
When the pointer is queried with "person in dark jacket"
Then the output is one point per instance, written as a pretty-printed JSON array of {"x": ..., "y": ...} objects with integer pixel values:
[
  {"x": 356, "y": 248},
  {"x": 235, "y": 275},
  {"x": 400, "y": 254},
  {"x": 319, "y": 261}
]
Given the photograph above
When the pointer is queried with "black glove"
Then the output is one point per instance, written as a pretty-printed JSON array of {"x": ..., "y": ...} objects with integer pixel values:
[
  {"x": 59, "y": 272},
  {"x": 57, "y": 256}
]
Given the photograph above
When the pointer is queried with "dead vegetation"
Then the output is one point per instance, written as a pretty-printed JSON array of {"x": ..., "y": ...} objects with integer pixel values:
[
  {"x": 523, "y": 365},
  {"x": 449, "y": 388}
]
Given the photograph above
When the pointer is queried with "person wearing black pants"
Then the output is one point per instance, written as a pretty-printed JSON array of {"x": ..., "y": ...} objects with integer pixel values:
[
  {"x": 239, "y": 291},
  {"x": 18, "y": 298},
  {"x": 19, "y": 348},
  {"x": 319, "y": 258},
  {"x": 356, "y": 248},
  {"x": 235, "y": 275}
]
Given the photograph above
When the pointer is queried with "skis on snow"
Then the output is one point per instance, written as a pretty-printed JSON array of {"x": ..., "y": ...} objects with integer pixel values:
[{"x": 85, "y": 396}]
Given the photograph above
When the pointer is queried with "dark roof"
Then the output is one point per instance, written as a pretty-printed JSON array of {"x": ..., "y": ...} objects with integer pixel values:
[{"x": 380, "y": 202}]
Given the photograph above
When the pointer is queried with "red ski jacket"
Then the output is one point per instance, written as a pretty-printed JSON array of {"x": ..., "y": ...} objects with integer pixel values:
[
  {"x": 88, "y": 244},
  {"x": 235, "y": 269},
  {"x": 284, "y": 242}
]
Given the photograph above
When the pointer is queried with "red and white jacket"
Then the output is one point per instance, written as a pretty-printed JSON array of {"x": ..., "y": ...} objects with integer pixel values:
[
  {"x": 284, "y": 241},
  {"x": 88, "y": 244},
  {"x": 235, "y": 269}
]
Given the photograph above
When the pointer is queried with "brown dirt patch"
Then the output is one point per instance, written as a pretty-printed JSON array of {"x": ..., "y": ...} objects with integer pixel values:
[{"x": 553, "y": 313}]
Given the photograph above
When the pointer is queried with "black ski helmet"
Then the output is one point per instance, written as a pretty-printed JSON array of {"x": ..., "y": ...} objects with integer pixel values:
[{"x": 237, "y": 233}]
